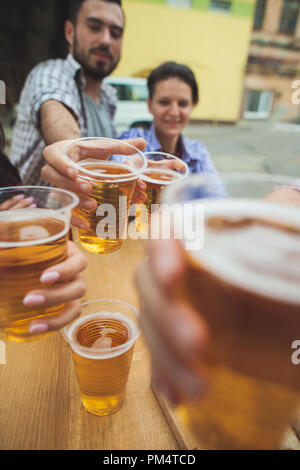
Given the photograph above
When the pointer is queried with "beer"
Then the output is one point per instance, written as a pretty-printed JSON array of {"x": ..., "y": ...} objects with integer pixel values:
[
  {"x": 31, "y": 240},
  {"x": 156, "y": 179},
  {"x": 112, "y": 167},
  {"x": 102, "y": 348},
  {"x": 113, "y": 185},
  {"x": 163, "y": 170},
  {"x": 245, "y": 281}
]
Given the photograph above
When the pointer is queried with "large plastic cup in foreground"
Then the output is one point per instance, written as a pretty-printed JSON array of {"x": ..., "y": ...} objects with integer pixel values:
[
  {"x": 243, "y": 278},
  {"x": 102, "y": 340},
  {"x": 113, "y": 167},
  {"x": 32, "y": 239}
]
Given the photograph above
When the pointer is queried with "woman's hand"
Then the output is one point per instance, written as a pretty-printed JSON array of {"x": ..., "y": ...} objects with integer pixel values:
[
  {"x": 17, "y": 202},
  {"x": 64, "y": 286}
]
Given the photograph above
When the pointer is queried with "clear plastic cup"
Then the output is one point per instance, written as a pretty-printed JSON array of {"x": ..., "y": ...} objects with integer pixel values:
[
  {"x": 34, "y": 231},
  {"x": 112, "y": 167},
  {"x": 102, "y": 340}
]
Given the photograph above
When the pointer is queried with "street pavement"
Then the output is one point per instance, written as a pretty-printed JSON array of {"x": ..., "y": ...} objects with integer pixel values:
[
  {"x": 252, "y": 146},
  {"x": 249, "y": 146}
]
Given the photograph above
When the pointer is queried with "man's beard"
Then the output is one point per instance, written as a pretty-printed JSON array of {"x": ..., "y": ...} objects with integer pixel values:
[{"x": 100, "y": 70}]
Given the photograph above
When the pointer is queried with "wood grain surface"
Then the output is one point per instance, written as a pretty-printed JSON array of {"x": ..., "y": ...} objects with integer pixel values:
[{"x": 40, "y": 407}]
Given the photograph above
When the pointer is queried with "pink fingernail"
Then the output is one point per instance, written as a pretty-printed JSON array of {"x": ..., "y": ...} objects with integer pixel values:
[
  {"x": 32, "y": 300},
  {"x": 72, "y": 173},
  {"x": 84, "y": 188},
  {"x": 38, "y": 328},
  {"x": 52, "y": 276}
]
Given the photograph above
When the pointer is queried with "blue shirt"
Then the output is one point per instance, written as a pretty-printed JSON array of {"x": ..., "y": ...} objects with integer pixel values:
[{"x": 192, "y": 152}]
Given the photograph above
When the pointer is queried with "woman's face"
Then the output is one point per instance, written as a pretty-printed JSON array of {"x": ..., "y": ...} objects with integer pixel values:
[{"x": 171, "y": 106}]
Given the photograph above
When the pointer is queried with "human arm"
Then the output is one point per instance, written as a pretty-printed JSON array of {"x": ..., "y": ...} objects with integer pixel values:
[
  {"x": 57, "y": 122},
  {"x": 176, "y": 334}
]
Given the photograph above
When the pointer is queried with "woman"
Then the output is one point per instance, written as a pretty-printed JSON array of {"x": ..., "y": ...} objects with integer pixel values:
[
  {"x": 173, "y": 93},
  {"x": 71, "y": 286}
]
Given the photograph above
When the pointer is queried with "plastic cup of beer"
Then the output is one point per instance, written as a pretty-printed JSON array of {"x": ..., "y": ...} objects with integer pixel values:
[
  {"x": 113, "y": 167},
  {"x": 243, "y": 278},
  {"x": 102, "y": 341},
  {"x": 163, "y": 169},
  {"x": 32, "y": 239}
]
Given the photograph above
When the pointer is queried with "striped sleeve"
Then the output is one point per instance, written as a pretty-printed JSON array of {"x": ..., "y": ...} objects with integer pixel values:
[{"x": 50, "y": 83}]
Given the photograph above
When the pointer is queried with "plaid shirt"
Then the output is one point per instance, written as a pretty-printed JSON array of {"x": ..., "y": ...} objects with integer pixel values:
[
  {"x": 60, "y": 80},
  {"x": 192, "y": 152}
]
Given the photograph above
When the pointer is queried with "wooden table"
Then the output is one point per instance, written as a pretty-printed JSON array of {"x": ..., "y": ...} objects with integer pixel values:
[{"x": 40, "y": 407}]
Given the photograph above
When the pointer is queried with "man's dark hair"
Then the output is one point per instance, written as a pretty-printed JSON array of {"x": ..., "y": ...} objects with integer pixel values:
[
  {"x": 76, "y": 5},
  {"x": 170, "y": 70}
]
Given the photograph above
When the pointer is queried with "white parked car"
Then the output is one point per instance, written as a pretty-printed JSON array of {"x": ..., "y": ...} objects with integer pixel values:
[{"x": 132, "y": 110}]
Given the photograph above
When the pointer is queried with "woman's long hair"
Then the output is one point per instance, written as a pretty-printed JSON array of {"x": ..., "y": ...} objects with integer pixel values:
[{"x": 9, "y": 175}]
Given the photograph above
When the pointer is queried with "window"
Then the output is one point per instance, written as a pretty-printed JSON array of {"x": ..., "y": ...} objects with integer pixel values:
[
  {"x": 289, "y": 16},
  {"x": 258, "y": 104},
  {"x": 259, "y": 13},
  {"x": 131, "y": 92},
  {"x": 219, "y": 5},
  {"x": 180, "y": 3}
]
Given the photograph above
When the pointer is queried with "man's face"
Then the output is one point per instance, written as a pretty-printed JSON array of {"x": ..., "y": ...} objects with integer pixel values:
[{"x": 96, "y": 40}]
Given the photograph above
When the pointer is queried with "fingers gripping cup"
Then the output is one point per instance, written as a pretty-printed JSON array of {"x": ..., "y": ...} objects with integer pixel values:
[
  {"x": 163, "y": 169},
  {"x": 112, "y": 167},
  {"x": 102, "y": 340},
  {"x": 244, "y": 280},
  {"x": 32, "y": 239}
]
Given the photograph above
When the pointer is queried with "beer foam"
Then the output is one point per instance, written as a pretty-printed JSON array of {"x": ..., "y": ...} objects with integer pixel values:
[
  {"x": 102, "y": 343},
  {"x": 257, "y": 256},
  {"x": 108, "y": 351},
  {"x": 32, "y": 234},
  {"x": 163, "y": 172},
  {"x": 84, "y": 165}
]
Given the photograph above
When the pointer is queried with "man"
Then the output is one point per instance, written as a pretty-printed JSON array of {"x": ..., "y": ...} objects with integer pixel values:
[{"x": 66, "y": 99}]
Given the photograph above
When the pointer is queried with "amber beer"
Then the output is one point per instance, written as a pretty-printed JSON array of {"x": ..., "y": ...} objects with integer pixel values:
[
  {"x": 163, "y": 170},
  {"x": 102, "y": 346},
  {"x": 30, "y": 242},
  {"x": 114, "y": 191},
  {"x": 112, "y": 167},
  {"x": 156, "y": 179},
  {"x": 32, "y": 239},
  {"x": 245, "y": 281}
]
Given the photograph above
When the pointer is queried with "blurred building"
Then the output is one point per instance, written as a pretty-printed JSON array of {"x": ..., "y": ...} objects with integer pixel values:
[
  {"x": 274, "y": 61},
  {"x": 210, "y": 36},
  {"x": 30, "y": 32}
]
